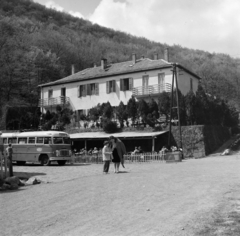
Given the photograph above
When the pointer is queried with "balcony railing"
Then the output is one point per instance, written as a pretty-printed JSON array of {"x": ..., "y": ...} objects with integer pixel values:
[
  {"x": 151, "y": 89},
  {"x": 62, "y": 100}
]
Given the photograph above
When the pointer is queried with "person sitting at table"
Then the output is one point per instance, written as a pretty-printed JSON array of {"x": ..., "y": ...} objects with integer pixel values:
[
  {"x": 90, "y": 151},
  {"x": 136, "y": 151},
  {"x": 174, "y": 148},
  {"x": 95, "y": 151}
]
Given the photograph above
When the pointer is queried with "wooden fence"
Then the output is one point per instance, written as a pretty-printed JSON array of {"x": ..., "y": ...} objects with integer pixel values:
[{"x": 129, "y": 158}]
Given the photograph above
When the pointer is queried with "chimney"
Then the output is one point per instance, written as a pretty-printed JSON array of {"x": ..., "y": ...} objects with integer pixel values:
[
  {"x": 155, "y": 56},
  {"x": 166, "y": 54},
  {"x": 103, "y": 63},
  {"x": 73, "y": 69},
  {"x": 134, "y": 58}
]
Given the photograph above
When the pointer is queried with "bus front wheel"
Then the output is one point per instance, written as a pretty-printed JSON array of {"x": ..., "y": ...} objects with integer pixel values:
[
  {"x": 61, "y": 163},
  {"x": 45, "y": 160}
]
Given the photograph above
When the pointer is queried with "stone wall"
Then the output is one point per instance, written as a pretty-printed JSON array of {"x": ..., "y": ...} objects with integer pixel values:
[{"x": 199, "y": 141}]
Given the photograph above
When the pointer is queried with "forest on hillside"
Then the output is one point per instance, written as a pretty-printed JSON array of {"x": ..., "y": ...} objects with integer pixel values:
[{"x": 39, "y": 45}]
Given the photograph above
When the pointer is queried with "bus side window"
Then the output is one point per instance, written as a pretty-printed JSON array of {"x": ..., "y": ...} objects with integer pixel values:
[
  {"x": 39, "y": 139},
  {"x": 31, "y": 140},
  {"x": 47, "y": 140},
  {"x": 22, "y": 140},
  {"x": 12, "y": 140},
  {"x": 4, "y": 140}
]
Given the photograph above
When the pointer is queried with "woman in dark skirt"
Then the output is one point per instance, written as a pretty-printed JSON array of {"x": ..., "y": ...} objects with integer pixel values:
[{"x": 116, "y": 159}]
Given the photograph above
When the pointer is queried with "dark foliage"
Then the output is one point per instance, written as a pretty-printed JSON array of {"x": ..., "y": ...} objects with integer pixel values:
[
  {"x": 110, "y": 126},
  {"x": 39, "y": 45}
]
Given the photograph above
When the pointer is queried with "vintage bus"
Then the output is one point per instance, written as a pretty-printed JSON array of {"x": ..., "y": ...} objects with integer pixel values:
[{"x": 39, "y": 147}]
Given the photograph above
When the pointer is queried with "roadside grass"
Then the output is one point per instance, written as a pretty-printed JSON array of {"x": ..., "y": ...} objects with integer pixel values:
[{"x": 224, "y": 223}]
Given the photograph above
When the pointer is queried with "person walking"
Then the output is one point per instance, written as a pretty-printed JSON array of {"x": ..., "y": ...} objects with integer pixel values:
[
  {"x": 106, "y": 153},
  {"x": 118, "y": 149},
  {"x": 9, "y": 151}
]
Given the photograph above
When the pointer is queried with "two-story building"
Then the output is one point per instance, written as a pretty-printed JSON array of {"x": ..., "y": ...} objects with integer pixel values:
[{"x": 143, "y": 78}]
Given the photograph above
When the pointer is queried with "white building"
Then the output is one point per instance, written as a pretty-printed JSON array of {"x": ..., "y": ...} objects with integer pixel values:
[{"x": 142, "y": 78}]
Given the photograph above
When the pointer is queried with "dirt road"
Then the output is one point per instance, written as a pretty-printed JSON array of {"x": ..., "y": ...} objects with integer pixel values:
[{"x": 144, "y": 199}]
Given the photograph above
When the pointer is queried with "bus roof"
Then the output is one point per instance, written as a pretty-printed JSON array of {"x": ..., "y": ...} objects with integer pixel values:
[{"x": 49, "y": 133}]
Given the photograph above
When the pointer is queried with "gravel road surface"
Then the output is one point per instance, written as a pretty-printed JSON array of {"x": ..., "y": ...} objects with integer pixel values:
[{"x": 156, "y": 198}]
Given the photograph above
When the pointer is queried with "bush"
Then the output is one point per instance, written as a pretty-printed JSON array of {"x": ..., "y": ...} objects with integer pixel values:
[{"x": 110, "y": 126}]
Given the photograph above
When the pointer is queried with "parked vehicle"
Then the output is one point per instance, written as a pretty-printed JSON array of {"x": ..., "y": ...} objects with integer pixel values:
[{"x": 39, "y": 147}]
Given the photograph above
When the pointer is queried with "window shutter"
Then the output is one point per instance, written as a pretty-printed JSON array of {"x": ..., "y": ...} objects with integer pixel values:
[
  {"x": 84, "y": 90},
  {"x": 79, "y": 95},
  {"x": 130, "y": 83},
  {"x": 88, "y": 89},
  {"x": 121, "y": 84},
  {"x": 107, "y": 88},
  {"x": 114, "y": 85},
  {"x": 96, "y": 89}
]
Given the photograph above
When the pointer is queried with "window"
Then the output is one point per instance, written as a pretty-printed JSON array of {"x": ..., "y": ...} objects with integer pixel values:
[
  {"x": 5, "y": 141},
  {"x": 39, "y": 140},
  {"x": 191, "y": 84},
  {"x": 161, "y": 82},
  {"x": 88, "y": 89},
  {"x": 47, "y": 140},
  {"x": 50, "y": 93},
  {"x": 111, "y": 86},
  {"x": 63, "y": 92},
  {"x": 161, "y": 79},
  {"x": 22, "y": 140},
  {"x": 145, "y": 80},
  {"x": 82, "y": 90},
  {"x": 126, "y": 84},
  {"x": 94, "y": 89},
  {"x": 31, "y": 140},
  {"x": 58, "y": 140},
  {"x": 12, "y": 140},
  {"x": 67, "y": 140}
]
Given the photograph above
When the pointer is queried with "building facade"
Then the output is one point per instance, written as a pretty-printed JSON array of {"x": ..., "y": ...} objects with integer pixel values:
[{"x": 143, "y": 78}]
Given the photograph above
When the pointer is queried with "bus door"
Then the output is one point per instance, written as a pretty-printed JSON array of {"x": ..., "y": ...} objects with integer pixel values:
[
  {"x": 31, "y": 150},
  {"x": 43, "y": 146},
  {"x": 21, "y": 149}
]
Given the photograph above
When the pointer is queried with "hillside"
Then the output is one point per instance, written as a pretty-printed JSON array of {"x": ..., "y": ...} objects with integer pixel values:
[{"x": 39, "y": 45}]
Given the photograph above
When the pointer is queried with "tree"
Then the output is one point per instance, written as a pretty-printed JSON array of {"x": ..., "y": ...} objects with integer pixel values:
[
  {"x": 143, "y": 110},
  {"x": 190, "y": 101},
  {"x": 132, "y": 109},
  {"x": 164, "y": 104},
  {"x": 121, "y": 113},
  {"x": 108, "y": 111}
]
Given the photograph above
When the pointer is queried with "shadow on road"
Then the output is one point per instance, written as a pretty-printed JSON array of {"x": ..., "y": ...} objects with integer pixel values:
[
  {"x": 26, "y": 175},
  {"x": 11, "y": 191}
]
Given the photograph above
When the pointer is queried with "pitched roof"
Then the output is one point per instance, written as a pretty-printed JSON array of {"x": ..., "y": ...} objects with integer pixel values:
[
  {"x": 120, "y": 68},
  {"x": 112, "y": 69}
]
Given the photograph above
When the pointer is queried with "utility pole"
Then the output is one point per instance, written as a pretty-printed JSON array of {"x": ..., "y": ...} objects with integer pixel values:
[
  {"x": 178, "y": 108},
  {"x": 174, "y": 77},
  {"x": 170, "y": 124}
]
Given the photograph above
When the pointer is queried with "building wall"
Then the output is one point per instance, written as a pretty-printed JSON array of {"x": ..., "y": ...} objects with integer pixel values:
[
  {"x": 184, "y": 82},
  {"x": 89, "y": 101}
]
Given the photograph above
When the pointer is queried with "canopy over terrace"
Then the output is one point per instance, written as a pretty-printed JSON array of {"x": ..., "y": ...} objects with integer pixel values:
[{"x": 124, "y": 136}]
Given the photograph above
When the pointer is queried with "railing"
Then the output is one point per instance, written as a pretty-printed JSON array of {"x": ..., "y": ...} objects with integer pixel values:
[
  {"x": 131, "y": 158},
  {"x": 151, "y": 89},
  {"x": 53, "y": 101}
]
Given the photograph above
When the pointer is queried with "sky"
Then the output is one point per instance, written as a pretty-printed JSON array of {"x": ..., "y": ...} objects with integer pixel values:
[{"x": 209, "y": 25}]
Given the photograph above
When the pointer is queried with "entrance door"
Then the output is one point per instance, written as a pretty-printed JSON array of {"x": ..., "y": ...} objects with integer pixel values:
[
  {"x": 63, "y": 95},
  {"x": 145, "y": 84}
]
